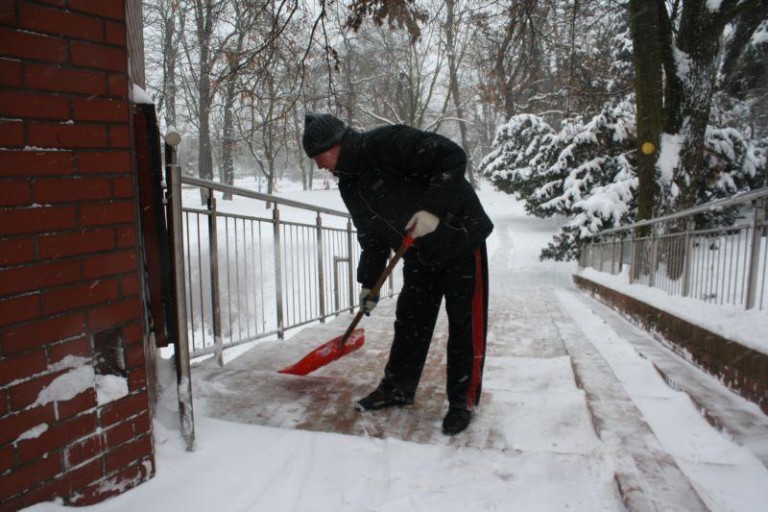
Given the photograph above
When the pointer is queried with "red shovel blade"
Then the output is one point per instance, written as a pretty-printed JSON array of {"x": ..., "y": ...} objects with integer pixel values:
[{"x": 326, "y": 353}]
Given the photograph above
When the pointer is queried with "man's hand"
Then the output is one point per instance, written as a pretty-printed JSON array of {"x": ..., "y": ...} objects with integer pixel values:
[
  {"x": 368, "y": 304},
  {"x": 423, "y": 223}
]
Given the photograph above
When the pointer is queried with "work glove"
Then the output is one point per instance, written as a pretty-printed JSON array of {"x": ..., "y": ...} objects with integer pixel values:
[
  {"x": 368, "y": 304},
  {"x": 423, "y": 223}
]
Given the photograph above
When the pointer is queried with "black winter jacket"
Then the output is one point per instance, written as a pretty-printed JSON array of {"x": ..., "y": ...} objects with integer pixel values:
[{"x": 386, "y": 175}]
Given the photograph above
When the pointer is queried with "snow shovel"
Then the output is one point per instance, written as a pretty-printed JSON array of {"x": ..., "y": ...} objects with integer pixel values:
[{"x": 353, "y": 338}]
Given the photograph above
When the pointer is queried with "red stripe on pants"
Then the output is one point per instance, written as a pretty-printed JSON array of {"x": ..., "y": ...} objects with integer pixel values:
[{"x": 478, "y": 328}]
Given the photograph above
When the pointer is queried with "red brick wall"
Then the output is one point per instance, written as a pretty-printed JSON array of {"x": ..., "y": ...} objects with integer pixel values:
[
  {"x": 68, "y": 253},
  {"x": 740, "y": 368}
]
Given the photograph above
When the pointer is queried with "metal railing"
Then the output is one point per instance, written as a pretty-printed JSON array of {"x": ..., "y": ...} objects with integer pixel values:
[
  {"x": 250, "y": 277},
  {"x": 721, "y": 265}
]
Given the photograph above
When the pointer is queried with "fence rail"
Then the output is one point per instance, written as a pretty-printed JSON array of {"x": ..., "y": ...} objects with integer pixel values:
[
  {"x": 249, "y": 277},
  {"x": 721, "y": 265}
]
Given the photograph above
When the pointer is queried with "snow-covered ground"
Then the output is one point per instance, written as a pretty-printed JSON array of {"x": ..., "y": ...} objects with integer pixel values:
[{"x": 552, "y": 457}]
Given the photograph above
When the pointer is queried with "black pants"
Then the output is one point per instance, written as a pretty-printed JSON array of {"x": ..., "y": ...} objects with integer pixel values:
[{"x": 464, "y": 284}]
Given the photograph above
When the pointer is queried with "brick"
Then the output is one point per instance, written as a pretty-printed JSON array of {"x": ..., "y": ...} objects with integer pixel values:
[
  {"x": 16, "y": 251},
  {"x": 119, "y": 434},
  {"x": 35, "y": 163},
  {"x": 19, "y": 309},
  {"x": 72, "y": 190},
  {"x": 56, "y": 22},
  {"x": 79, "y": 296},
  {"x": 115, "y": 33},
  {"x": 42, "y": 332},
  {"x": 134, "y": 356},
  {"x": 85, "y": 401},
  {"x": 109, "y": 264},
  {"x": 23, "y": 45},
  {"x": 24, "y": 394},
  {"x": 64, "y": 80},
  {"x": 13, "y": 505},
  {"x": 85, "y": 449},
  {"x": 14, "y": 193},
  {"x": 29, "y": 475},
  {"x": 65, "y": 485},
  {"x": 129, "y": 453},
  {"x": 36, "y": 220},
  {"x": 80, "y": 477},
  {"x": 97, "y": 56},
  {"x": 56, "y": 437},
  {"x": 111, "y": 485},
  {"x": 67, "y": 136},
  {"x": 111, "y": 315},
  {"x": 13, "y": 425},
  {"x": 17, "y": 366},
  {"x": 36, "y": 277},
  {"x": 123, "y": 187},
  {"x": 33, "y": 105},
  {"x": 7, "y": 458},
  {"x": 11, "y": 134},
  {"x": 142, "y": 424},
  {"x": 129, "y": 285},
  {"x": 10, "y": 73},
  {"x": 78, "y": 347},
  {"x": 119, "y": 136},
  {"x": 86, "y": 241},
  {"x": 133, "y": 334},
  {"x": 55, "y": 3},
  {"x": 8, "y": 13},
  {"x": 137, "y": 379},
  {"x": 107, "y": 213},
  {"x": 126, "y": 236},
  {"x": 114, "y": 10},
  {"x": 94, "y": 109},
  {"x": 110, "y": 162},
  {"x": 118, "y": 83},
  {"x": 123, "y": 408}
]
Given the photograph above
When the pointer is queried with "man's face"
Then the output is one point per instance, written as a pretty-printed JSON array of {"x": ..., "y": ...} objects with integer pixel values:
[{"x": 328, "y": 159}]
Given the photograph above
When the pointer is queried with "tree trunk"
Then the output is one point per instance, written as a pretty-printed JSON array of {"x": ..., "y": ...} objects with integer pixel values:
[
  {"x": 228, "y": 145},
  {"x": 646, "y": 38},
  {"x": 453, "y": 72}
]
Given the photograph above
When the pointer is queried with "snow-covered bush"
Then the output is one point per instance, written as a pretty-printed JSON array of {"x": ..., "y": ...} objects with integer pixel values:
[{"x": 586, "y": 170}]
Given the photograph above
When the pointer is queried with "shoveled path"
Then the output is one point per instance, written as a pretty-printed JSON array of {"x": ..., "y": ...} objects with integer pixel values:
[{"x": 564, "y": 376}]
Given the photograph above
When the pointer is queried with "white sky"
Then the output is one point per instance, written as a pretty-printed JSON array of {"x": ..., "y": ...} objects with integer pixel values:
[{"x": 553, "y": 459}]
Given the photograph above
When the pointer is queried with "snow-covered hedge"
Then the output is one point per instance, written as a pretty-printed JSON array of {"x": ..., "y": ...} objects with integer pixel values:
[{"x": 586, "y": 170}]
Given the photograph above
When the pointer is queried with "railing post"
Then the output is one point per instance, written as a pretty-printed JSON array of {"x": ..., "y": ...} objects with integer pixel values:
[
  {"x": 181, "y": 344},
  {"x": 352, "y": 301},
  {"x": 320, "y": 268},
  {"x": 621, "y": 254},
  {"x": 758, "y": 221},
  {"x": 278, "y": 271},
  {"x": 688, "y": 256},
  {"x": 213, "y": 253},
  {"x": 613, "y": 255},
  {"x": 654, "y": 258},
  {"x": 633, "y": 250}
]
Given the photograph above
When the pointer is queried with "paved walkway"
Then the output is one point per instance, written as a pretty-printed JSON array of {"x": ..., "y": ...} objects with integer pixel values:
[{"x": 564, "y": 375}]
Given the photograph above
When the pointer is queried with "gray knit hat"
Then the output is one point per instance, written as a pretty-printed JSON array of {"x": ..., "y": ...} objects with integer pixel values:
[{"x": 321, "y": 133}]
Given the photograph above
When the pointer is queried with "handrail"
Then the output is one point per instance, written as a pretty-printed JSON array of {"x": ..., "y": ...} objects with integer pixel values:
[
  {"x": 221, "y": 187},
  {"x": 723, "y": 264},
  {"x": 739, "y": 198},
  {"x": 254, "y": 276}
]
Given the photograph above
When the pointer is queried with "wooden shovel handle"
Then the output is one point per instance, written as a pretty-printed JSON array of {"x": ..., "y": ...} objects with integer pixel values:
[{"x": 407, "y": 243}]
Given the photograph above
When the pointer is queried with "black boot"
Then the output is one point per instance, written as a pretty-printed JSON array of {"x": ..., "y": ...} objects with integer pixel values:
[
  {"x": 383, "y": 397},
  {"x": 456, "y": 421}
]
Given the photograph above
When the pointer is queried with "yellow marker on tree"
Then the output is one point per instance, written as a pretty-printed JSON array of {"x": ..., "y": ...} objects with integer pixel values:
[{"x": 647, "y": 148}]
